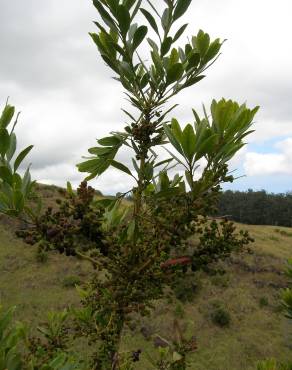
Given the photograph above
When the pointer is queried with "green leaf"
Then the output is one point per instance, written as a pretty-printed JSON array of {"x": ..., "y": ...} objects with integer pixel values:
[
  {"x": 129, "y": 4},
  {"x": 124, "y": 19},
  {"x": 136, "y": 9},
  {"x": 180, "y": 32},
  {"x": 98, "y": 43},
  {"x": 4, "y": 141},
  {"x": 174, "y": 57},
  {"x": 202, "y": 42},
  {"x": 176, "y": 130},
  {"x": 69, "y": 188},
  {"x": 139, "y": 36},
  {"x": 5, "y": 320},
  {"x": 17, "y": 181},
  {"x": 99, "y": 26},
  {"x": 26, "y": 183},
  {"x": 100, "y": 151},
  {"x": 194, "y": 60},
  {"x": 213, "y": 50},
  {"x": 18, "y": 200},
  {"x": 107, "y": 44},
  {"x": 193, "y": 81},
  {"x": 148, "y": 171},
  {"x": 166, "y": 161},
  {"x": 181, "y": 8},
  {"x": 131, "y": 231},
  {"x": 172, "y": 138},
  {"x": 6, "y": 175},
  {"x": 153, "y": 44},
  {"x": 21, "y": 157},
  {"x": 157, "y": 62},
  {"x": 189, "y": 142},
  {"x": 174, "y": 73},
  {"x": 104, "y": 14},
  {"x": 120, "y": 167},
  {"x": 168, "y": 193},
  {"x": 126, "y": 70},
  {"x": 181, "y": 54},
  {"x": 113, "y": 4},
  {"x": 144, "y": 80},
  {"x": 197, "y": 118},
  {"x": 166, "y": 45},
  {"x": 176, "y": 357},
  {"x": 165, "y": 19},
  {"x": 118, "y": 48},
  {"x": 12, "y": 147},
  {"x": 4, "y": 204},
  {"x": 7, "y": 115},
  {"x": 109, "y": 141},
  {"x": 150, "y": 19},
  {"x": 206, "y": 146},
  {"x": 112, "y": 65},
  {"x": 90, "y": 166},
  {"x": 105, "y": 202},
  {"x": 164, "y": 181}
]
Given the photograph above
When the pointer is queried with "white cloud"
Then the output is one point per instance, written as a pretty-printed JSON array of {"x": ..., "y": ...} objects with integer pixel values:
[{"x": 270, "y": 163}]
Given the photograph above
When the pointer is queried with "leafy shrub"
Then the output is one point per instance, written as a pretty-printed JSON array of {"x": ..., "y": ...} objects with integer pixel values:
[
  {"x": 220, "y": 316},
  {"x": 19, "y": 351},
  {"x": 185, "y": 288},
  {"x": 42, "y": 255},
  {"x": 267, "y": 365},
  {"x": 71, "y": 281},
  {"x": 179, "y": 311},
  {"x": 283, "y": 232},
  {"x": 287, "y": 293},
  {"x": 273, "y": 238},
  {"x": 221, "y": 280},
  {"x": 10, "y": 357},
  {"x": 272, "y": 364},
  {"x": 263, "y": 302}
]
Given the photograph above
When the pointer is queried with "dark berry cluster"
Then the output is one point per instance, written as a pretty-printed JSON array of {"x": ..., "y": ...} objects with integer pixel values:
[{"x": 75, "y": 225}]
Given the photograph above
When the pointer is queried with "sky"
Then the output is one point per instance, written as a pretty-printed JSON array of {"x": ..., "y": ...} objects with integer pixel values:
[{"x": 53, "y": 74}]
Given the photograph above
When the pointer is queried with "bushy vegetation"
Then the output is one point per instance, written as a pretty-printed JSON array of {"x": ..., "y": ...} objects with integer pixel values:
[{"x": 220, "y": 316}]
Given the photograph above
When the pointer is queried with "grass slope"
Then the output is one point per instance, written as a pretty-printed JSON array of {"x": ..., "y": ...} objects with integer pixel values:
[{"x": 249, "y": 291}]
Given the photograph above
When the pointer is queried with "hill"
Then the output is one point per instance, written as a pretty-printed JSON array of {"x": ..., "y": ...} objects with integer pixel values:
[{"x": 248, "y": 292}]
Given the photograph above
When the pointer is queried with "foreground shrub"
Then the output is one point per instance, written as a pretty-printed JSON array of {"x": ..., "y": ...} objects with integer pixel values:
[
  {"x": 139, "y": 250},
  {"x": 20, "y": 351},
  {"x": 272, "y": 364}
]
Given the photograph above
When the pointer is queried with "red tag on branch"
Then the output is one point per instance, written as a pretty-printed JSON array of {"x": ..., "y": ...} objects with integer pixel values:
[{"x": 184, "y": 260}]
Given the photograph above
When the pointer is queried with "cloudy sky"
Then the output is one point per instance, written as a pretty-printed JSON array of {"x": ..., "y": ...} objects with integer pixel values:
[{"x": 53, "y": 74}]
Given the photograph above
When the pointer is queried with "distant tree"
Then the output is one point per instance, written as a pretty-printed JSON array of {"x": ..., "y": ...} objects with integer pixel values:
[{"x": 256, "y": 207}]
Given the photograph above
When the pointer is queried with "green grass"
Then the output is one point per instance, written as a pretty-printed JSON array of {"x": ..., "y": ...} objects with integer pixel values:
[{"x": 255, "y": 332}]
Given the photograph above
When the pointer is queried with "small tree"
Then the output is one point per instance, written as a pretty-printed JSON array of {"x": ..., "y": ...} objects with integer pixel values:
[{"x": 141, "y": 248}]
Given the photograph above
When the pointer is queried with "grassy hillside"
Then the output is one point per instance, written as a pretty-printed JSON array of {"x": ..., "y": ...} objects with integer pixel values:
[{"x": 249, "y": 292}]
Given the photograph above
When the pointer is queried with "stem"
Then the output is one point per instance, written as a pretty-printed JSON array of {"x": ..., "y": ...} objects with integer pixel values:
[
  {"x": 139, "y": 191},
  {"x": 107, "y": 357}
]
